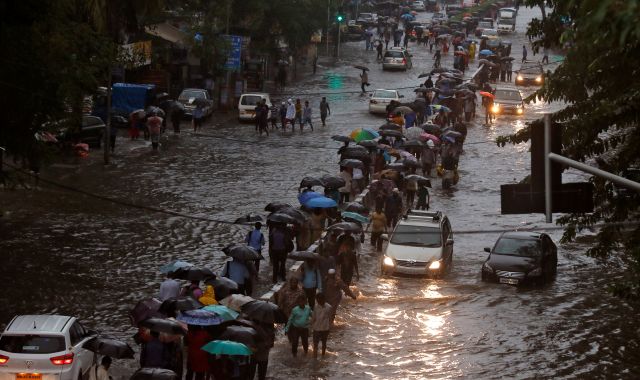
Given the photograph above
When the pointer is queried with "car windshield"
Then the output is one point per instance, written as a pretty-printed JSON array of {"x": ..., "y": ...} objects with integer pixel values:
[
  {"x": 507, "y": 14},
  {"x": 418, "y": 236},
  {"x": 508, "y": 95},
  {"x": 393, "y": 54},
  {"x": 484, "y": 24},
  {"x": 385, "y": 94},
  {"x": 188, "y": 94},
  {"x": 250, "y": 100},
  {"x": 32, "y": 344},
  {"x": 490, "y": 32},
  {"x": 517, "y": 247}
]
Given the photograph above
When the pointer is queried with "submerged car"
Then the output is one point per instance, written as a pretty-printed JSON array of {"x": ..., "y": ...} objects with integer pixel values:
[
  {"x": 396, "y": 59},
  {"x": 529, "y": 75},
  {"x": 518, "y": 258},
  {"x": 421, "y": 244},
  {"x": 507, "y": 100},
  {"x": 381, "y": 98},
  {"x": 90, "y": 131}
]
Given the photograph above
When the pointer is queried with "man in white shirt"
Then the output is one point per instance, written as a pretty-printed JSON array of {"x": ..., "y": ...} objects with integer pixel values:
[{"x": 169, "y": 288}]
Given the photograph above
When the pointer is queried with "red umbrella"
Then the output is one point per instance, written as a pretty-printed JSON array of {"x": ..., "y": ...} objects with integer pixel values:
[{"x": 487, "y": 94}]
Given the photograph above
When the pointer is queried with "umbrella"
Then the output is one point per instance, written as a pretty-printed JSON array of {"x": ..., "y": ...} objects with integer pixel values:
[
  {"x": 154, "y": 374},
  {"x": 263, "y": 311},
  {"x": 465, "y": 92},
  {"x": 154, "y": 111},
  {"x": 418, "y": 178},
  {"x": 411, "y": 163},
  {"x": 109, "y": 346},
  {"x": 439, "y": 70},
  {"x": 346, "y": 139},
  {"x": 161, "y": 325},
  {"x": 249, "y": 219},
  {"x": 345, "y": 227},
  {"x": 390, "y": 127},
  {"x": 332, "y": 181},
  {"x": 368, "y": 143},
  {"x": 354, "y": 216},
  {"x": 413, "y": 132},
  {"x": 485, "y": 52},
  {"x": 507, "y": 58},
  {"x": 193, "y": 274},
  {"x": 223, "y": 287},
  {"x": 280, "y": 217},
  {"x": 424, "y": 75},
  {"x": 171, "y": 305},
  {"x": 443, "y": 36},
  {"x": 145, "y": 309},
  {"x": 364, "y": 134},
  {"x": 427, "y": 136},
  {"x": 275, "y": 206},
  {"x": 242, "y": 252},
  {"x": 223, "y": 312},
  {"x": 200, "y": 317},
  {"x": 431, "y": 128},
  {"x": 356, "y": 207},
  {"x": 446, "y": 80},
  {"x": 396, "y": 166},
  {"x": 486, "y": 94},
  {"x": 351, "y": 163},
  {"x": 177, "y": 107},
  {"x": 173, "y": 266},
  {"x": 396, "y": 134},
  {"x": 355, "y": 150},
  {"x": 403, "y": 109},
  {"x": 310, "y": 182},
  {"x": 304, "y": 255},
  {"x": 236, "y": 301},
  {"x": 246, "y": 335},
  {"x": 413, "y": 143},
  {"x": 298, "y": 215},
  {"x": 438, "y": 107},
  {"x": 307, "y": 195},
  {"x": 365, "y": 68},
  {"x": 321, "y": 202},
  {"x": 227, "y": 347},
  {"x": 452, "y": 133},
  {"x": 449, "y": 139}
]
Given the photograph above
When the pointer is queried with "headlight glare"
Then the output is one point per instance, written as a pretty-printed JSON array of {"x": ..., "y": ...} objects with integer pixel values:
[
  {"x": 519, "y": 77},
  {"x": 435, "y": 265},
  {"x": 495, "y": 108},
  {"x": 388, "y": 261},
  {"x": 538, "y": 79}
]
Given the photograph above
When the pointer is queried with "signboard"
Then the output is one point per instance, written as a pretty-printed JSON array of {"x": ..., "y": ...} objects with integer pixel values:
[
  {"x": 136, "y": 54},
  {"x": 235, "y": 52}
]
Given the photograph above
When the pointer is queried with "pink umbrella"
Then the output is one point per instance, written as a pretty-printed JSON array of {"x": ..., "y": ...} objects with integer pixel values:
[
  {"x": 428, "y": 136},
  {"x": 407, "y": 155}
]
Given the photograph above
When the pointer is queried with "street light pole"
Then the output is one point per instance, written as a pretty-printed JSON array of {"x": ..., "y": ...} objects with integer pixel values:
[
  {"x": 328, "y": 23},
  {"x": 338, "y": 46}
]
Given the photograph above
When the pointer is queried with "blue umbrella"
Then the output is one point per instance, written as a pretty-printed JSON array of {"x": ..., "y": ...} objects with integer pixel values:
[
  {"x": 355, "y": 216},
  {"x": 226, "y": 347},
  {"x": 485, "y": 52},
  {"x": 222, "y": 311},
  {"x": 200, "y": 317},
  {"x": 308, "y": 195},
  {"x": 174, "y": 266},
  {"x": 321, "y": 202},
  {"x": 438, "y": 107}
]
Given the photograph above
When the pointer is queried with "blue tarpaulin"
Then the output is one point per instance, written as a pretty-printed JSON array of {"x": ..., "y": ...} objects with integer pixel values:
[{"x": 128, "y": 97}]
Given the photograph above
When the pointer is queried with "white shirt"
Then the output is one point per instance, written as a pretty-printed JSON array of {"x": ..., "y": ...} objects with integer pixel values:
[
  {"x": 169, "y": 289},
  {"x": 357, "y": 173}
]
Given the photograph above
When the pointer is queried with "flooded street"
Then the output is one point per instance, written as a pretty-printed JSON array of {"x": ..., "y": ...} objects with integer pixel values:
[{"x": 64, "y": 252}]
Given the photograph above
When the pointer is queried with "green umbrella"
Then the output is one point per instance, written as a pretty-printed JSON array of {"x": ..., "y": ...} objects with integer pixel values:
[
  {"x": 226, "y": 347},
  {"x": 223, "y": 311}
]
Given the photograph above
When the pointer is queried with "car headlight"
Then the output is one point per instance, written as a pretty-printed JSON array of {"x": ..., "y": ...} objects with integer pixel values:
[
  {"x": 495, "y": 108},
  {"x": 538, "y": 79},
  {"x": 388, "y": 261},
  {"x": 435, "y": 265},
  {"x": 536, "y": 272},
  {"x": 519, "y": 77},
  {"x": 519, "y": 110},
  {"x": 487, "y": 268}
]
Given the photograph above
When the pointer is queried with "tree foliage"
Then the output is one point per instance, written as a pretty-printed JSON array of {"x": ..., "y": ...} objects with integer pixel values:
[{"x": 599, "y": 80}]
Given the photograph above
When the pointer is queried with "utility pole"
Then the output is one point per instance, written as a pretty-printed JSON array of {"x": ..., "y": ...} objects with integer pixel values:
[
  {"x": 328, "y": 23},
  {"x": 548, "y": 194},
  {"x": 107, "y": 130}
]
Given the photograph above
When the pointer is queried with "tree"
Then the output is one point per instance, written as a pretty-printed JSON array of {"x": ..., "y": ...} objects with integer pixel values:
[{"x": 599, "y": 80}]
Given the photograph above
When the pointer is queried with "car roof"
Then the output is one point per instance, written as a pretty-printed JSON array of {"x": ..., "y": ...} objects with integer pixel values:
[
  {"x": 383, "y": 89},
  {"x": 527, "y": 235},
  {"x": 507, "y": 88},
  {"x": 255, "y": 94},
  {"x": 422, "y": 218},
  {"x": 30, "y": 324},
  {"x": 194, "y": 89}
]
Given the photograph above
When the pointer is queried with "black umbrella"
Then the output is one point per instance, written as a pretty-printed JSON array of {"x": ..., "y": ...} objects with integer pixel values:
[
  {"x": 332, "y": 181},
  {"x": 193, "y": 274},
  {"x": 280, "y": 217},
  {"x": 177, "y": 107},
  {"x": 362, "y": 155},
  {"x": 345, "y": 227},
  {"x": 424, "y": 75},
  {"x": 412, "y": 144},
  {"x": 507, "y": 58},
  {"x": 356, "y": 207},
  {"x": 361, "y": 67},
  {"x": 300, "y": 216},
  {"x": 263, "y": 311},
  {"x": 242, "y": 252},
  {"x": 154, "y": 374},
  {"x": 352, "y": 163},
  {"x": 248, "y": 336},
  {"x": 145, "y": 309},
  {"x": 161, "y": 325},
  {"x": 249, "y": 219},
  {"x": 304, "y": 255},
  {"x": 355, "y": 149},
  {"x": 275, "y": 206},
  {"x": 397, "y": 166},
  {"x": 431, "y": 128},
  {"x": 419, "y": 179},
  {"x": 411, "y": 164},
  {"x": 342, "y": 138},
  {"x": 154, "y": 111},
  {"x": 391, "y": 133},
  {"x": 390, "y": 127},
  {"x": 109, "y": 346},
  {"x": 368, "y": 143},
  {"x": 310, "y": 182},
  {"x": 223, "y": 287},
  {"x": 172, "y": 305}
]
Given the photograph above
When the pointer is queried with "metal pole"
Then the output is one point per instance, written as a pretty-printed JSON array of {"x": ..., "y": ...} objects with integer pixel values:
[
  {"x": 338, "y": 46},
  {"x": 547, "y": 169},
  {"x": 107, "y": 130},
  {"x": 597, "y": 172},
  {"x": 328, "y": 23}
]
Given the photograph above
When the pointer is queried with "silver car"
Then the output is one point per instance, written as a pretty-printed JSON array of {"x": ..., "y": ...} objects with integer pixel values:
[{"x": 396, "y": 59}]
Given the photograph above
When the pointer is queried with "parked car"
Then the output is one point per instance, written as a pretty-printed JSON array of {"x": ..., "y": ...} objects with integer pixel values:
[
  {"x": 247, "y": 104},
  {"x": 421, "y": 244},
  {"x": 45, "y": 347},
  {"x": 367, "y": 19},
  {"x": 90, "y": 130},
  {"x": 507, "y": 100},
  {"x": 485, "y": 23},
  {"x": 417, "y": 5},
  {"x": 381, "y": 98},
  {"x": 396, "y": 59},
  {"x": 194, "y": 97},
  {"x": 530, "y": 74},
  {"x": 518, "y": 258},
  {"x": 489, "y": 33}
]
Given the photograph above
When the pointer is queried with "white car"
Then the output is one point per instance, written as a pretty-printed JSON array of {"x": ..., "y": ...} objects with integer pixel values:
[
  {"x": 381, "y": 98},
  {"x": 247, "y": 104},
  {"x": 45, "y": 347},
  {"x": 421, "y": 244}
]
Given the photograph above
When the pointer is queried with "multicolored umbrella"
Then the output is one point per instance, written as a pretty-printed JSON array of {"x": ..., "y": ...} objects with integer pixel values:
[
  {"x": 226, "y": 347},
  {"x": 438, "y": 107},
  {"x": 364, "y": 134},
  {"x": 200, "y": 317},
  {"x": 224, "y": 312}
]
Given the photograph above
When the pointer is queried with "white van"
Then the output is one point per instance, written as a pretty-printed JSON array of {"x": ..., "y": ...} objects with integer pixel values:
[{"x": 247, "y": 104}]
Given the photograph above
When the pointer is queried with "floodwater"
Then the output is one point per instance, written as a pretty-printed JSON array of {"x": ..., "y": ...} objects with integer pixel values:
[{"x": 64, "y": 252}]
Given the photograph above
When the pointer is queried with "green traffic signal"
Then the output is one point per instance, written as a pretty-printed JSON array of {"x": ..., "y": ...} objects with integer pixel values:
[{"x": 339, "y": 18}]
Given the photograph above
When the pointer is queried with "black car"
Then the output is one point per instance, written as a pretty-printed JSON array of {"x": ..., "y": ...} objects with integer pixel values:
[
  {"x": 521, "y": 257},
  {"x": 532, "y": 74},
  {"x": 90, "y": 131}
]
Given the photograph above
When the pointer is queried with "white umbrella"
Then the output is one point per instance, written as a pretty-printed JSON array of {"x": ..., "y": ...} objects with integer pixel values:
[{"x": 413, "y": 133}]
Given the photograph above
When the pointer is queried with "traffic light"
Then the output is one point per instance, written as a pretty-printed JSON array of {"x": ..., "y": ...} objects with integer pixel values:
[{"x": 340, "y": 15}]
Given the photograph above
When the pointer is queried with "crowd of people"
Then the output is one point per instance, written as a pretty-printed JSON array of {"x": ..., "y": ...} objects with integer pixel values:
[{"x": 288, "y": 114}]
